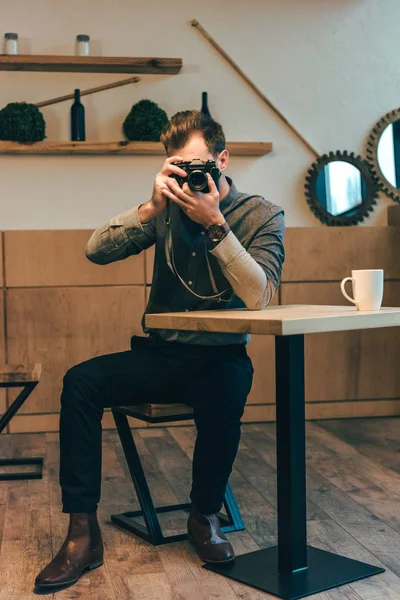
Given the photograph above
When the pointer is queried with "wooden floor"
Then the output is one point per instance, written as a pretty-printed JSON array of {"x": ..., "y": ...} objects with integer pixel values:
[{"x": 353, "y": 491}]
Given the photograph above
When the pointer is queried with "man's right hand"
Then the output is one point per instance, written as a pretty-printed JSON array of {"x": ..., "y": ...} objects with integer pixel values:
[{"x": 157, "y": 204}]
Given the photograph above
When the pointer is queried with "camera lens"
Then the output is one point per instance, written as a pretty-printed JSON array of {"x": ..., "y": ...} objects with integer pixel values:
[{"x": 197, "y": 181}]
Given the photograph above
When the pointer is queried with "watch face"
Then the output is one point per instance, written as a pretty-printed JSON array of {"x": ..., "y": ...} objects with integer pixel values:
[{"x": 216, "y": 232}]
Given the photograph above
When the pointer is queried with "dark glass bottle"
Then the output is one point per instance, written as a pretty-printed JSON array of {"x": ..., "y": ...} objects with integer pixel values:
[
  {"x": 78, "y": 119},
  {"x": 204, "y": 104}
]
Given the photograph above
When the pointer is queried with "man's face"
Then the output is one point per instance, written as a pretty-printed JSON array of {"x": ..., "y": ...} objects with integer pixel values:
[{"x": 196, "y": 147}]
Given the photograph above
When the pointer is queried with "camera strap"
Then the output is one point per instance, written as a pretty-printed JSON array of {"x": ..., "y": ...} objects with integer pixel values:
[{"x": 169, "y": 255}]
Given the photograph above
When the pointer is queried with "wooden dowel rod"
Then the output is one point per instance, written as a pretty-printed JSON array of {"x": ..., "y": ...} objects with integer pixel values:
[
  {"x": 100, "y": 88},
  {"x": 197, "y": 25}
]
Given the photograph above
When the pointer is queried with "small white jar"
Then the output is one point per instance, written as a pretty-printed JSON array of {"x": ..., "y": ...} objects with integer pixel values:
[
  {"x": 82, "y": 45},
  {"x": 11, "y": 43}
]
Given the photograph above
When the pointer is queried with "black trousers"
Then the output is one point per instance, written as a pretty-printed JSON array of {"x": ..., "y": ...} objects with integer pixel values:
[{"x": 214, "y": 380}]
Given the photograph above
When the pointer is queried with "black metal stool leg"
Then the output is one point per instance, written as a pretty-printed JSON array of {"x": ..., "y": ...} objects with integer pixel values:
[
  {"x": 4, "y": 421},
  {"x": 233, "y": 521},
  {"x": 153, "y": 533},
  {"x": 16, "y": 405}
]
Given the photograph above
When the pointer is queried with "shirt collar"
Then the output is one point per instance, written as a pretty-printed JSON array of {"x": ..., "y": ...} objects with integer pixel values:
[{"x": 230, "y": 197}]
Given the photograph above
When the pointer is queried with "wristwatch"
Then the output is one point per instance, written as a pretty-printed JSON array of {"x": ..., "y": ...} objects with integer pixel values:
[{"x": 216, "y": 233}]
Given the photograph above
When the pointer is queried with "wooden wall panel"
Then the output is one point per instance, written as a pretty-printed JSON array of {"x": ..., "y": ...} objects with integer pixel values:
[
  {"x": 330, "y": 253},
  {"x": 57, "y": 258},
  {"x": 149, "y": 260},
  {"x": 393, "y": 213},
  {"x": 353, "y": 364},
  {"x": 352, "y": 409},
  {"x": 1, "y": 259},
  {"x": 2, "y": 338},
  {"x": 261, "y": 350},
  {"x": 349, "y": 374},
  {"x": 2, "y": 349},
  {"x": 256, "y": 413},
  {"x": 60, "y": 327},
  {"x": 147, "y": 293}
]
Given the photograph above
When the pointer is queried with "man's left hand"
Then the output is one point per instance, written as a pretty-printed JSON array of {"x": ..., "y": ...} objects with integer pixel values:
[{"x": 201, "y": 208}]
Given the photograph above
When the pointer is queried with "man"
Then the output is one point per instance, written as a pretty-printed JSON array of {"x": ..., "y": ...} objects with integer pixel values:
[{"x": 219, "y": 249}]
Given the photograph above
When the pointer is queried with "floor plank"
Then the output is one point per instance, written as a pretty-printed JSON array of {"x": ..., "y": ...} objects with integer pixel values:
[
  {"x": 26, "y": 536},
  {"x": 358, "y": 484},
  {"x": 368, "y": 539},
  {"x": 376, "y": 438},
  {"x": 353, "y": 489},
  {"x": 242, "y": 541}
]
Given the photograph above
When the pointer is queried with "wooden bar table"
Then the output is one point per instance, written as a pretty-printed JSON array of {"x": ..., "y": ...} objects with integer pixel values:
[{"x": 292, "y": 569}]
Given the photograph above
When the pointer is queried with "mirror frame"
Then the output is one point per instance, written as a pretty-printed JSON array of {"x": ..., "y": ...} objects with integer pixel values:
[
  {"x": 372, "y": 154},
  {"x": 362, "y": 211}
]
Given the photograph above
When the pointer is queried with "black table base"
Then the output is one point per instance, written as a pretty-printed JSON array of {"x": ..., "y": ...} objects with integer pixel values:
[
  {"x": 292, "y": 569},
  {"x": 325, "y": 570}
]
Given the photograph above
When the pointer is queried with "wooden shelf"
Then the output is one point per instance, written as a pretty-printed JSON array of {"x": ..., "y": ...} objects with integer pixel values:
[
  {"x": 90, "y": 64},
  {"x": 120, "y": 148}
]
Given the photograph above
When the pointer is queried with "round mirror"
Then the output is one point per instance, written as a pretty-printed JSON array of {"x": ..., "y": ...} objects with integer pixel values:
[
  {"x": 340, "y": 189},
  {"x": 383, "y": 154}
]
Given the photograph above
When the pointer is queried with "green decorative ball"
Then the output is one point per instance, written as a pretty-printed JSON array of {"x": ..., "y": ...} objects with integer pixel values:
[
  {"x": 22, "y": 122},
  {"x": 145, "y": 121}
]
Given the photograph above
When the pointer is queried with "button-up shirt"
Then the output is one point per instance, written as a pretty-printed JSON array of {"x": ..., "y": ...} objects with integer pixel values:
[{"x": 246, "y": 265}]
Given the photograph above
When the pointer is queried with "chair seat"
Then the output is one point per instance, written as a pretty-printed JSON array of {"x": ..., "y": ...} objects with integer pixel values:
[
  {"x": 20, "y": 373},
  {"x": 157, "y": 413}
]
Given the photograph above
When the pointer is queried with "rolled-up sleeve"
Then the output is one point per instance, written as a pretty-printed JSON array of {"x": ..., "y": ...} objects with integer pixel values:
[
  {"x": 121, "y": 237},
  {"x": 254, "y": 273}
]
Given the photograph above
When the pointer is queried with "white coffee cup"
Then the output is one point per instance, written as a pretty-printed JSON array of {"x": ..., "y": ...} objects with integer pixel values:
[{"x": 367, "y": 288}]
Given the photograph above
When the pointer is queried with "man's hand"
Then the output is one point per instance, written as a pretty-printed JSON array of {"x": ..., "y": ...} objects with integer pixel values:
[
  {"x": 157, "y": 204},
  {"x": 201, "y": 208}
]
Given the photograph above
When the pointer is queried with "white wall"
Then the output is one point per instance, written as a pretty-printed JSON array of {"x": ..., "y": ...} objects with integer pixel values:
[{"x": 331, "y": 66}]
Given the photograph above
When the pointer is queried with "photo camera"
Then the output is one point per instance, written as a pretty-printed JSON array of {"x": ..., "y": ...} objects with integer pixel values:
[{"x": 197, "y": 170}]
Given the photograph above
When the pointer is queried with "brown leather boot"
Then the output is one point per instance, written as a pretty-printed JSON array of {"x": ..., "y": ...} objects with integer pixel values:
[
  {"x": 209, "y": 541},
  {"x": 82, "y": 550}
]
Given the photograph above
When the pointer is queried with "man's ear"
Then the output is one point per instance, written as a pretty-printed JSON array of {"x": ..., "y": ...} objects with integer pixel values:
[{"x": 223, "y": 160}]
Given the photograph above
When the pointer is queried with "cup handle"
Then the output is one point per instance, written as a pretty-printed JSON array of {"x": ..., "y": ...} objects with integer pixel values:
[{"x": 342, "y": 287}]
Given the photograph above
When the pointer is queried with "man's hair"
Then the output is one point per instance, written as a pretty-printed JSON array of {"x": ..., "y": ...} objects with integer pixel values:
[{"x": 186, "y": 122}]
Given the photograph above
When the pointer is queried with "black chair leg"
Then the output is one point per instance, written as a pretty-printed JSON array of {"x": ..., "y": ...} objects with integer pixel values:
[
  {"x": 21, "y": 462},
  {"x": 4, "y": 421},
  {"x": 233, "y": 521},
  {"x": 152, "y": 532}
]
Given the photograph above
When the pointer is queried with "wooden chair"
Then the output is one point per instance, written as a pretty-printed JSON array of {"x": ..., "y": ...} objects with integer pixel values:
[
  {"x": 152, "y": 532},
  {"x": 27, "y": 377}
]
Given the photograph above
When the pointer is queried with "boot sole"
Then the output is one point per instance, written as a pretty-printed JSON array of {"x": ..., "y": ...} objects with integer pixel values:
[
  {"x": 57, "y": 586},
  {"x": 212, "y": 562}
]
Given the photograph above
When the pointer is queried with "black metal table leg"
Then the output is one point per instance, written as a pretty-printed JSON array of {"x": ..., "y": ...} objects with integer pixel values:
[{"x": 292, "y": 569}]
